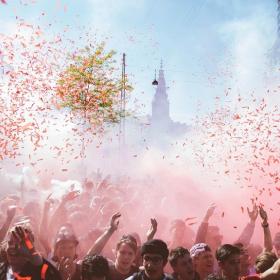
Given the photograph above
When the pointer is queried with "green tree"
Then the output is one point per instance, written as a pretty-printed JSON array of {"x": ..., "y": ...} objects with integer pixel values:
[{"x": 90, "y": 86}]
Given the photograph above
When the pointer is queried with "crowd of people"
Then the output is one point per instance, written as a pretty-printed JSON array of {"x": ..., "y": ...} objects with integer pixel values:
[{"x": 78, "y": 237}]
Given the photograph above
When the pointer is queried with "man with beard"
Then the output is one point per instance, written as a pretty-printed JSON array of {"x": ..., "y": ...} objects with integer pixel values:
[{"x": 155, "y": 254}]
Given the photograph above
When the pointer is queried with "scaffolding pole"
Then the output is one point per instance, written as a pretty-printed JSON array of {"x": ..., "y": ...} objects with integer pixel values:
[{"x": 122, "y": 105}]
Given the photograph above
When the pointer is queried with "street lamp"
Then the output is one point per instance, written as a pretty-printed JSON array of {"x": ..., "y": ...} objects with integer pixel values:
[{"x": 155, "y": 82}]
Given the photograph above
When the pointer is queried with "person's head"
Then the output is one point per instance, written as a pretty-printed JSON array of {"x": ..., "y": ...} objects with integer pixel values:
[
  {"x": 78, "y": 220},
  {"x": 228, "y": 257},
  {"x": 245, "y": 259},
  {"x": 178, "y": 228},
  {"x": 214, "y": 237},
  {"x": 88, "y": 186},
  {"x": 265, "y": 261},
  {"x": 181, "y": 263},
  {"x": 65, "y": 245},
  {"x": 155, "y": 254},
  {"x": 276, "y": 243},
  {"x": 15, "y": 251},
  {"x": 33, "y": 210},
  {"x": 95, "y": 268},
  {"x": 125, "y": 253},
  {"x": 203, "y": 259}
]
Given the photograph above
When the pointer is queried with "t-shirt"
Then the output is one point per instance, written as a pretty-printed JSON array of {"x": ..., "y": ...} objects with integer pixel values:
[
  {"x": 78, "y": 273},
  {"x": 142, "y": 276},
  {"x": 195, "y": 277},
  {"x": 30, "y": 270},
  {"x": 116, "y": 275}
]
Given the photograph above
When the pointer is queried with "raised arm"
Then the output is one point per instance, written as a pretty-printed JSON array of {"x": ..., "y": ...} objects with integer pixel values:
[
  {"x": 268, "y": 247},
  {"x": 100, "y": 243},
  {"x": 26, "y": 240},
  {"x": 44, "y": 225},
  {"x": 11, "y": 211},
  {"x": 152, "y": 231},
  {"x": 247, "y": 233},
  {"x": 60, "y": 211},
  {"x": 203, "y": 228}
]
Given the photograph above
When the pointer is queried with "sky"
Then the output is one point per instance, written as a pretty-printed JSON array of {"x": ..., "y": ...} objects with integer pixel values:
[{"x": 206, "y": 46}]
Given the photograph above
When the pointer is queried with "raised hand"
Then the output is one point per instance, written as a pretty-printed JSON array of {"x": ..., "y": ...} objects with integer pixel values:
[
  {"x": 210, "y": 212},
  {"x": 11, "y": 212},
  {"x": 48, "y": 201},
  {"x": 114, "y": 222},
  {"x": 70, "y": 196},
  {"x": 254, "y": 213},
  {"x": 263, "y": 215},
  {"x": 22, "y": 236},
  {"x": 152, "y": 230},
  {"x": 103, "y": 185}
]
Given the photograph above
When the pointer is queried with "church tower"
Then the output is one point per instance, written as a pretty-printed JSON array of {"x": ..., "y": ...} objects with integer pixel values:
[{"x": 160, "y": 105}]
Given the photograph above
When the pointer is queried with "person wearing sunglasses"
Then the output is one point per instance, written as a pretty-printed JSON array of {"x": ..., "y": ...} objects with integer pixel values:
[{"x": 155, "y": 254}]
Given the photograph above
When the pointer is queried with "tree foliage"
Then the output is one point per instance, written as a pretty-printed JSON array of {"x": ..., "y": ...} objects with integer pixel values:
[{"x": 90, "y": 86}]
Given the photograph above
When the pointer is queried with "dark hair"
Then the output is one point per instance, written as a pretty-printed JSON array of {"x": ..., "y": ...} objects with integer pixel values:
[
  {"x": 177, "y": 253},
  {"x": 265, "y": 261},
  {"x": 155, "y": 246},
  {"x": 129, "y": 240},
  {"x": 226, "y": 251},
  {"x": 97, "y": 266},
  {"x": 242, "y": 248}
]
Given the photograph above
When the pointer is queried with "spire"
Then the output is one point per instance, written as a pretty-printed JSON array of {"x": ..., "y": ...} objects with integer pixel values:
[
  {"x": 161, "y": 88},
  {"x": 160, "y": 105}
]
